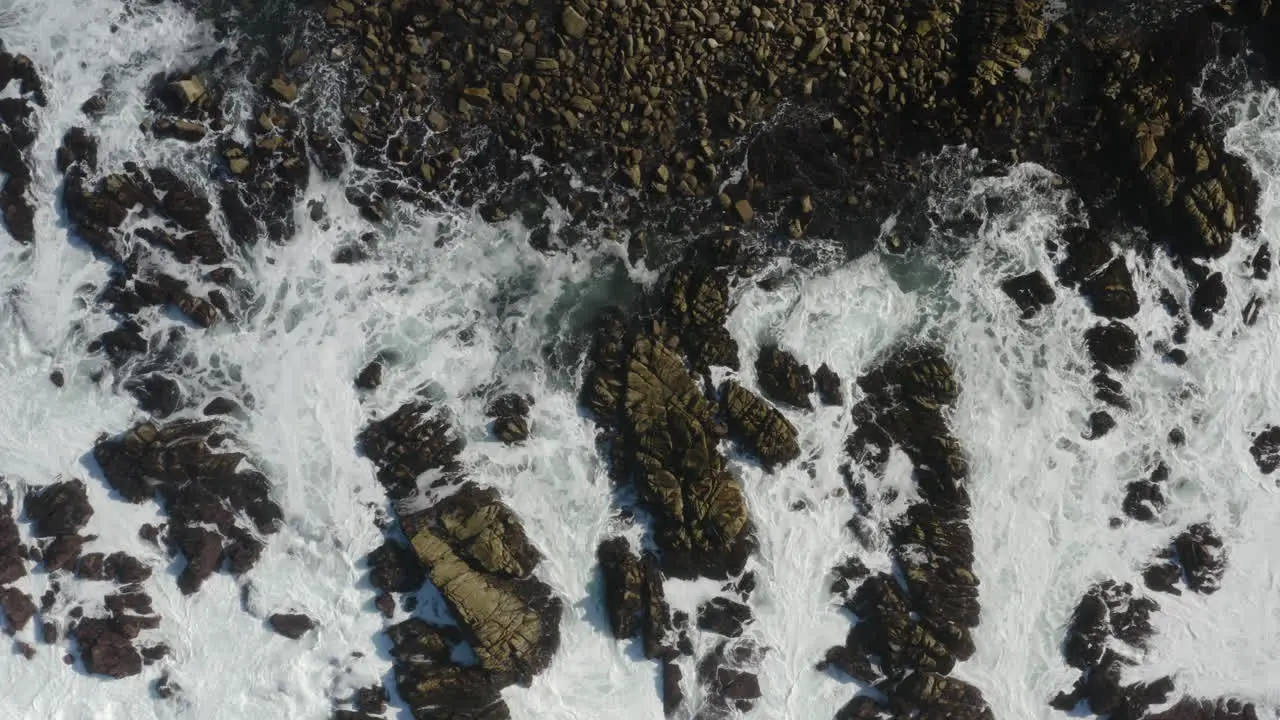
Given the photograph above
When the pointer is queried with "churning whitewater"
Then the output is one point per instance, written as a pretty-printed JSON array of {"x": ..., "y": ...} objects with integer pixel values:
[{"x": 462, "y": 302}]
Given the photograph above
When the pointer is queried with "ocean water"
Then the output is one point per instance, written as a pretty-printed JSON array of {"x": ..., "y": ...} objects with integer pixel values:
[{"x": 463, "y": 304}]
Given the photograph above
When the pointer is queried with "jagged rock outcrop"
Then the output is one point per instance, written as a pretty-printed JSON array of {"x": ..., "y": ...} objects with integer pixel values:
[
  {"x": 1197, "y": 709},
  {"x": 413, "y": 440},
  {"x": 759, "y": 427},
  {"x": 1265, "y": 449},
  {"x": 729, "y": 676},
  {"x": 510, "y": 413},
  {"x": 204, "y": 489},
  {"x": 830, "y": 388},
  {"x": 1110, "y": 612},
  {"x": 783, "y": 378},
  {"x": 1196, "y": 556},
  {"x": 1143, "y": 499},
  {"x": 1112, "y": 345},
  {"x": 623, "y": 579},
  {"x": 17, "y": 134},
  {"x": 910, "y": 634},
  {"x": 474, "y": 549},
  {"x": 1030, "y": 292},
  {"x": 60, "y": 508}
]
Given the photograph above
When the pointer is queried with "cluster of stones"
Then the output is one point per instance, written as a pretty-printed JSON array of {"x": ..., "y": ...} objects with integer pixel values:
[
  {"x": 98, "y": 207},
  {"x": 649, "y": 388},
  {"x": 1108, "y": 625},
  {"x": 910, "y": 633},
  {"x": 57, "y": 513},
  {"x": 16, "y": 136},
  {"x": 473, "y": 548},
  {"x": 665, "y": 95},
  {"x": 219, "y": 513}
]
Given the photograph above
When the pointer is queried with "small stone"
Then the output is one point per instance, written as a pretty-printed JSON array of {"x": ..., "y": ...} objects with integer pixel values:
[{"x": 744, "y": 211}]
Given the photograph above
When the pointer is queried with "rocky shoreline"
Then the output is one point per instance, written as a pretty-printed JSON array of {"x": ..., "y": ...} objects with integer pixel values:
[{"x": 747, "y": 126}]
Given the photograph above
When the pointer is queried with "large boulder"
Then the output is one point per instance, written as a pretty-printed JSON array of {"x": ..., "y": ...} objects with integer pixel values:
[
  {"x": 783, "y": 378},
  {"x": 411, "y": 441},
  {"x": 622, "y": 577},
  {"x": 759, "y": 427},
  {"x": 61, "y": 508},
  {"x": 513, "y": 625}
]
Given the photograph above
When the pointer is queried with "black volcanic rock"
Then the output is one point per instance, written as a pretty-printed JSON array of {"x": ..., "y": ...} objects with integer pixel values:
[{"x": 291, "y": 625}]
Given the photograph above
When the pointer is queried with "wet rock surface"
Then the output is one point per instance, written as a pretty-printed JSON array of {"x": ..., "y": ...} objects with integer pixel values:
[
  {"x": 217, "y": 510},
  {"x": 664, "y": 428},
  {"x": 474, "y": 550},
  {"x": 909, "y": 635}
]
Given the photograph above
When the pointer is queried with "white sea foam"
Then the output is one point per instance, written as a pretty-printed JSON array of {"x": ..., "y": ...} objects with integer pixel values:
[{"x": 463, "y": 304}]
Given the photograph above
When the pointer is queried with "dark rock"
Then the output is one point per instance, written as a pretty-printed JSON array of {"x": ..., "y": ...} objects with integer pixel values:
[
  {"x": 370, "y": 377},
  {"x": 1110, "y": 291},
  {"x": 1194, "y": 709},
  {"x": 157, "y": 394},
  {"x": 655, "y": 615},
  {"x": 1208, "y": 299},
  {"x": 762, "y": 430},
  {"x": 394, "y": 568},
  {"x": 106, "y": 648},
  {"x": 1100, "y": 423},
  {"x": 622, "y": 578},
  {"x": 1162, "y": 577},
  {"x": 1030, "y": 292},
  {"x": 61, "y": 508},
  {"x": 830, "y": 390},
  {"x": 848, "y": 574},
  {"x": 1112, "y": 345},
  {"x": 203, "y": 550},
  {"x": 78, "y": 146},
  {"x": 1261, "y": 262},
  {"x": 672, "y": 694},
  {"x": 291, "y": 625},
  {"x": 372, "y": 700},
  {"x": 1110, "y": 391},
  {"x": 784, "y": 379},
  {"x": 511, "y": 429},
  {"x": 723, "y": 616},
  {"x": 18, "y": 607},
  {"x": 63, "y": 552},
  {"x": 1200, "y": 553},
  {"x": 1266, "y": 450},
  {"x": 221, "y": 406},
  {"x": 57, "y": 378}
]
